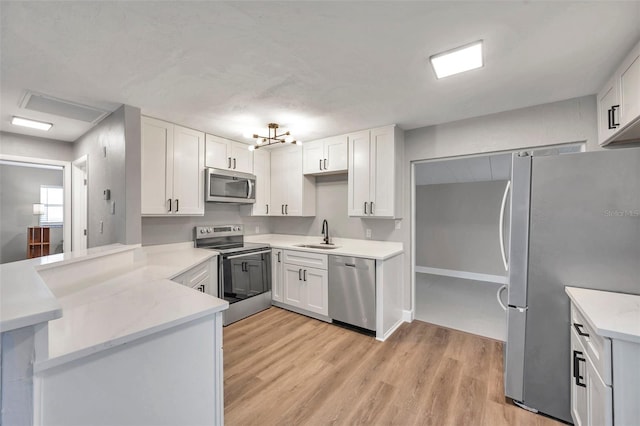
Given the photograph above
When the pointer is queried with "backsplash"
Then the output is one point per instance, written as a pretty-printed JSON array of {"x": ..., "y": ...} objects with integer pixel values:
[{"x": 331, "y": 204}]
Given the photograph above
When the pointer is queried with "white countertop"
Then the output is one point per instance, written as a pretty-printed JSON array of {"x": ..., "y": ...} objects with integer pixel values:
[
  {"x": 370, "y": 249},
  {"x": 24, "y": 297},
  {"x": 126, "y": 302},
  {"x": 613, "y": 315}
]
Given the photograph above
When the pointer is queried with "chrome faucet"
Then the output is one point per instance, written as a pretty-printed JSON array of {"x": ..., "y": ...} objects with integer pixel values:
[{"x": 325, "y": 231}]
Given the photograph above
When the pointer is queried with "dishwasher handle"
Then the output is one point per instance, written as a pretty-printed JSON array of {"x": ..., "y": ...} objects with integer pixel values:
[{"x": 353, "y": 265}]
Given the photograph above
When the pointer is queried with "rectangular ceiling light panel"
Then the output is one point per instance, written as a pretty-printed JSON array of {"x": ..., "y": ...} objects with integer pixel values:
[
  {"x": 25, "y": 122},
  {"x": 460, "y": 59},
  {"x": 62, "y": 108}
]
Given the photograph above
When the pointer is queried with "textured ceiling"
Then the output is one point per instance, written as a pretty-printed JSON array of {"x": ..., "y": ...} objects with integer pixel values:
[{"x": 320, "y": 68}]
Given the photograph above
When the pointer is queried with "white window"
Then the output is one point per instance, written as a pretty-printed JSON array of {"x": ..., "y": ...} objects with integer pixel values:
[{"x": 51, "y": 197}]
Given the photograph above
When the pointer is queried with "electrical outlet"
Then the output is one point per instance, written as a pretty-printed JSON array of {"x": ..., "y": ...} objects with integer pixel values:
[
  {"x": 398, "y": 222},
  {"x": 257, "y": 229},
  {"x": 368, "y": 233}
]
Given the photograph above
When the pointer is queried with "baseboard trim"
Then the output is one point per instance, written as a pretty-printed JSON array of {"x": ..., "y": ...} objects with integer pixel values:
[
  {"x": 407, "y": 316},
  {"x": 389, "y": 332}
]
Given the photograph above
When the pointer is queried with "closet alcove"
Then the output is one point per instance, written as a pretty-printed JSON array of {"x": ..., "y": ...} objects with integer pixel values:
[{"x": 461, "y": 216}]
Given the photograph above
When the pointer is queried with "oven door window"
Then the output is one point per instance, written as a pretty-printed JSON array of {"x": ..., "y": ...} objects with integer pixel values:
[
  {"x": 228, "y": 186},
  {"x": 246, "y": 276}
]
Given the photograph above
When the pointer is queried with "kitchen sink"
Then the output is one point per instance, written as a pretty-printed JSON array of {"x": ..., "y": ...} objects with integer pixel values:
[{"x": 318, "y": 246}]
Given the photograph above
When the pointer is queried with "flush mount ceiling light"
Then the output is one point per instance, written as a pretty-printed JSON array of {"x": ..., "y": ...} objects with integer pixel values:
[
  {"x": 460, "y": 59},
  {"x": 273, "y": 138},
  {"x": 25, "y": 122}
]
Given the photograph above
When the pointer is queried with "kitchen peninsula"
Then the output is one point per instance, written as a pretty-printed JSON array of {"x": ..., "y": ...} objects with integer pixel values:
[{"x": 108, "y": 321}]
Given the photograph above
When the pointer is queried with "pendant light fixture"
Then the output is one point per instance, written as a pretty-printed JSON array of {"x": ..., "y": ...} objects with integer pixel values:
[{"x": 273, "y": 138}]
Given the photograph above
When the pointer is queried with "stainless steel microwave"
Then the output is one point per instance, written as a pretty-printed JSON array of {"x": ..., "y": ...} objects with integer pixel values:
[{"x": 225, "y": 186}]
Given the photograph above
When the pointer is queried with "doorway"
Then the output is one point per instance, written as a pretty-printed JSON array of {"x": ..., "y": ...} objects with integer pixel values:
[{"x": 35, "y": 195}]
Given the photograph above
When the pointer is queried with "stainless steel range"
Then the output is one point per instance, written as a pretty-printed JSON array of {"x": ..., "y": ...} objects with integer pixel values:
[{"x": 244, "y": 269}]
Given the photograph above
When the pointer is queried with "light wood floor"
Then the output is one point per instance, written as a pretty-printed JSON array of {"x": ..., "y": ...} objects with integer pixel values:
[{"x": 281, "y": 368}]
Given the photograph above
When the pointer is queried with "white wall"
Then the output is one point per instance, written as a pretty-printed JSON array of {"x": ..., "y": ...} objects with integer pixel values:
[
  {"x": 30, "y": 146},
  {"x": 118, "y": 171},
  {"x": 457, "y": 226},
  {"x": 571, "y": 120}
]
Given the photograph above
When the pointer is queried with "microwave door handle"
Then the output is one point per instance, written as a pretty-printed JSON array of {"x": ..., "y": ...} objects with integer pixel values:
[{"x": 249, "y": 188}]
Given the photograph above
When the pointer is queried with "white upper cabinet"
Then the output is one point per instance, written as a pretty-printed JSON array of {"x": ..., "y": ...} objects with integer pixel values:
[
  {"x": 375, "y": 173},
  {"x": 292, "y": 193},
  {"x": 325, "y": 156},
  {"x": 226, "y": 154},
  {"x": 619, "y": 103},
  {"x": 172, "y": 169},
  {"x": 262, "y": 170}
]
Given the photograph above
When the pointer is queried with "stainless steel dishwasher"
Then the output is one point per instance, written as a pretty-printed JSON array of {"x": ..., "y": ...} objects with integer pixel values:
[{"x": 352, "y": 291}]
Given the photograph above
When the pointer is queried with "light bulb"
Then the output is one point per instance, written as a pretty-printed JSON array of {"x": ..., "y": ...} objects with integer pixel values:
[
  {"x": 252, "y": 147},
  {"x": 248, "y": 134},
  {"x": 289, "y": 139}
]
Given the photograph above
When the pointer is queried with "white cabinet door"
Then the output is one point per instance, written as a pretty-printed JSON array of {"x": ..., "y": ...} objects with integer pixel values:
[
  {"x": 277, "y": 267},
  {"x": 262, "y": 170},
  {"x": 630, "y": 89},
  {"x": 156, "y": 166},
  {"x": 382, "y": 172},
  {"x": 278, "y": 182},
  {"x": 313, "y": 156},
  {"x": 241, "y": 158},
  {"x": 316, "y": 289},
  {"x": 599, "y": 399},
  {"x": 608, "y": 110},
  {"x": 335, "y": 154},
  {"x": 293, "y": 290},
  {"x": 359, "y": 174},
  {"x": 188, "y": 171},
  {"x": 293, "y": 204},
  {"x": 218, "y": 152},
  {"x": 579, "y": 410}
]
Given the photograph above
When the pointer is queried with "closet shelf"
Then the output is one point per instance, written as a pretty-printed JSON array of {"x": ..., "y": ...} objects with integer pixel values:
[{"x": 476, "y": 276}]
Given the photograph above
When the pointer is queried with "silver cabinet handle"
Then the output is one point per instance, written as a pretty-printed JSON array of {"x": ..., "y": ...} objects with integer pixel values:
[
  {"x": 286, "y": 209},
  {"x": 234, "y": 164},
  {"x": 371, "y": 207},
  {"x": 267, "y": 209},
  {"x": 282, "y": 208},
  {"x": 299, "y": 274},
  {"x": 320, "y": 164},
  {"x": 325, "y": 164},
  {"x": 177, "y": 205},
  {"x": 229, "y": 163},
  {"x": 365, "y": 207},
  {"x": 278, "y": 254},
  {"x": 304, "y": 275},
  {"x": 169, "y": 205}
]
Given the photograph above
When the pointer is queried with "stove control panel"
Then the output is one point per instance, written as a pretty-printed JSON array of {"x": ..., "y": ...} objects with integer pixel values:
[{"x": 218, "y": 231}]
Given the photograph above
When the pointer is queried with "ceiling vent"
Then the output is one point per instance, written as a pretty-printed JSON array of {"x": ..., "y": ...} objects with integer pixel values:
[{"x": 62, "y": 108}]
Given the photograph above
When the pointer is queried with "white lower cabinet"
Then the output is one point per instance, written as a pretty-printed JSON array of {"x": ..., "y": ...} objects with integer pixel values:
[
  {"x": 304, "y": 287},
  {"x": 202, "y": 277},
  {"x": 593, "y": 386}
]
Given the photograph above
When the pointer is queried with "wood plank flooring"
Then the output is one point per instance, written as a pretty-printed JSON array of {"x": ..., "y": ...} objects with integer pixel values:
[{"x": 281, "y": 368}]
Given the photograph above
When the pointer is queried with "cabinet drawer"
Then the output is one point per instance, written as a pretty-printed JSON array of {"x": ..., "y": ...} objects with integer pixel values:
[
  {"x": 598, "y": 348},
  {"x": 303, "y": 258}
]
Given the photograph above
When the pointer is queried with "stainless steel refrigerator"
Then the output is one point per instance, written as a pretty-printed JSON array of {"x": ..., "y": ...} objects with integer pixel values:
[{"x": 575, "y": 221}]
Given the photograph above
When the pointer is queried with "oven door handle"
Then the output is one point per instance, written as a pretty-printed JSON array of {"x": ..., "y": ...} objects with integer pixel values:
[{"x": 246, "y": 254}]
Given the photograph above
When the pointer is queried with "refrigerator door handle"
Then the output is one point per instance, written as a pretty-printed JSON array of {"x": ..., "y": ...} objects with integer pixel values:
[
  {"x": 501, "y": 226},
  {"x": 498, "y": 294}
]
